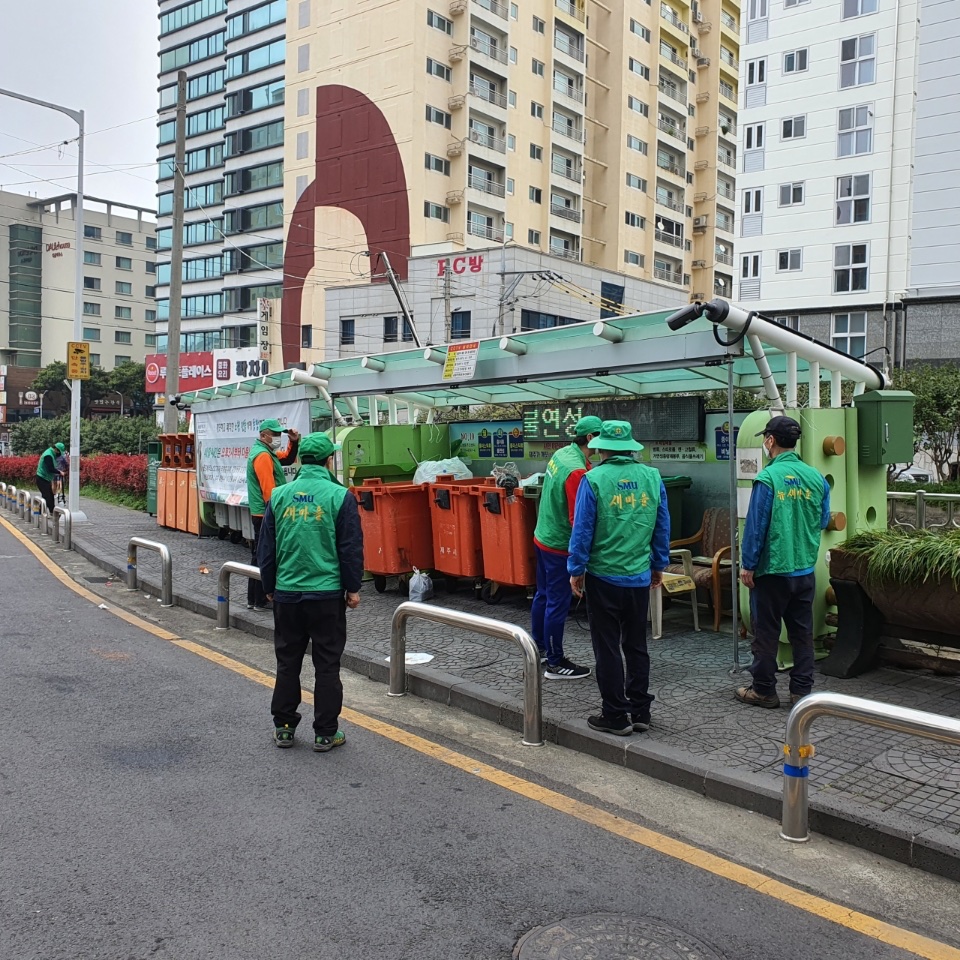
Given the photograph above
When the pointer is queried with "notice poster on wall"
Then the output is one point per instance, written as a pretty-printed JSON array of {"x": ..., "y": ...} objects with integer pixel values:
[
  {"x": 491, "y": 440},
  {"x": 224, "y": 439}
]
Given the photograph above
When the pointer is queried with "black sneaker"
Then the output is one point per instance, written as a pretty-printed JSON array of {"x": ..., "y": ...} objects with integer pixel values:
[
  {"x": 283, "y": 736},
  {"x": 641, "y": 722},
  {"x": 566, "y": 670},
  {"x": 619, "y": 728}
]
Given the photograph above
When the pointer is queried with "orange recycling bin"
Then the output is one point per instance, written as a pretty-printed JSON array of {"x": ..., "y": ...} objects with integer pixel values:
[
  {"x": 455, "y": 522},
  {"x": 193, "y": 505},
  {"x": 506, "y": 530},
  {"x": 395, "y": 518},
  {"x": 183, "y": 498},
  {"x": 170, "y": 500}
]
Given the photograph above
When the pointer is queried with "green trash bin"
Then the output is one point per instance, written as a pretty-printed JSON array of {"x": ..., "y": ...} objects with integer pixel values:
[
  {"x": 675, "y": 487},
  {"x": 153, "y": 465}
]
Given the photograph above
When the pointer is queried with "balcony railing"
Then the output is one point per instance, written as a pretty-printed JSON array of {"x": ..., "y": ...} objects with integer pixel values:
[
  {"x": 725, "y": 160},
  {"x": 671, "y": 276},
  {"x": 566, "y": 90},
  {"x": 671, "y": 17},
  {"x": 730, "y": 131},
  {"x": 486, "y": 140},
  {"x": 673, "y": 129},
  {"x": 726, "y": 258},
  {"x": 674, "y": 205},
  {"x": 669, "y": 165},
  {"x": 673, "y": 58},
  {"x": 561, "y": 43},
  {"x": 668, "y": 238},
  {"x": 489, "y": 49},
  {"x": 486, "y": 185},
  {"x": 498, "y": 8},
  {"x": 568, "y": 253},
  {"x": 729, "y": 59},
  {"x": 727, "y": 91},
  {"x": 571, "y": 9},
  {"x": 563, "y": 170},
  {"x": 484, "y": 230},
  {"x": 725, "y": 191},
  {"x": 567, "y": 130},
  {"x": 567, "y": 213},
  {"x": 729, "y": 22},
  {"x": 673, "y": 93},
  {"x": 724, "y": 223},
  {"x": 491, "y": 96}
]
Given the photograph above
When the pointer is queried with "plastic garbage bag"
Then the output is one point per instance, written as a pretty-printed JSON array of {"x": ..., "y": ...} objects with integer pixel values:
[
  {"x": 508, "y": 477},
  {"x": 421, "y": 586},
  {"x": 429, "y": 470}
]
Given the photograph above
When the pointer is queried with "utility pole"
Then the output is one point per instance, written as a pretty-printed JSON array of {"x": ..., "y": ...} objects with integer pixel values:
[
  {"x": 447, "y": 314},
  {"x": 401, "y": 299},
  {"x": 503, "y": 287},
  {"x": 170, "y": 413}
]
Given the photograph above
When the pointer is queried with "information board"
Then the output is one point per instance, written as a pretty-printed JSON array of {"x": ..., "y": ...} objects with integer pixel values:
[
  {"x": 676, "y": 419},
  {"x": 551, "y": 421},
  {"x": 461, "y": 361},
  {"x": 78, "y": 360}
]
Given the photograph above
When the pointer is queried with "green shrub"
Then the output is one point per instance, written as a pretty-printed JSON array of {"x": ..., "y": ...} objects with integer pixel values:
[
  {"x": 109, "y": 435},
  {"x": 908, "y": 556}
]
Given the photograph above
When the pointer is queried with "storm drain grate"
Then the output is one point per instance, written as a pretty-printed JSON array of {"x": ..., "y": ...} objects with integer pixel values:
[{"x": 99, "y": 579}]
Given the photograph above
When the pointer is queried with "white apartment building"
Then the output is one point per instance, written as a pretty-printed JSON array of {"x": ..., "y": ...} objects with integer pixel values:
[
  {"x": 824, "y": 187},
  {"x": 233, "y": 56},
  {"x": 38, "y": 253}
]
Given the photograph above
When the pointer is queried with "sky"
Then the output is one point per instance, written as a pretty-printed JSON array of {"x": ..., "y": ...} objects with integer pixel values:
[{"x": 99, "y": 56}]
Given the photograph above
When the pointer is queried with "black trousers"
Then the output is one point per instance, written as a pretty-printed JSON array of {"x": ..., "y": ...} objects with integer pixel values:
[
  {"x": 255, "y": 595},
  {"x": 324, "y": 624},
  {"x": 46, "y": 491},
  {"x": 618, "y": 629},
  {"x": 788, "y": 599}
]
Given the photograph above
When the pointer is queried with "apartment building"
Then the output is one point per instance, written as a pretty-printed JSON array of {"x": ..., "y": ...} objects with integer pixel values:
[
  {"x": 233, "y": 56},
  {"x": 38, "y": 251},
  {"x": 597, "y": 138},
  {"x": 826, "y": 146}
]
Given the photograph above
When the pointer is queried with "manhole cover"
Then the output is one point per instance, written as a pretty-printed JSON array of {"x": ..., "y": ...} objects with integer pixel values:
[
  {"x": 932, "y": 771},
  {"x": 611, "y": 936},
  {"x": 99, "y": 579}
]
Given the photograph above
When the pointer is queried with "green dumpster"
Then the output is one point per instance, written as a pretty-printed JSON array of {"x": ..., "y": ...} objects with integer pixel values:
[
  {"x": 675, "y": 487},
  {"x": 153, "y": 465}
]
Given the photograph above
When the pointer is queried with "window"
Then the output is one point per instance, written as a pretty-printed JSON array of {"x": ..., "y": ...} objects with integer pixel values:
[
  {"x": 634, "y": 220},
  {"x": 253, "y": 138},
  {"x": 150, "y": 340},
  {"x": 511, "y": 142},
  {"x": 436, "y": 69},
  {"x": 303, "y": 102},
  {"x": 119, "y": 360},
  {"x": 633, "y": 258},
  {"x": 437, "y": 164},
  {"x": 638, "y": 106},
  {"x": 264, "y": 95},
  {"x": 391, "y": 327},
  {"x": 124, "y": 263},
  {"x": 248, "y": 180},
  {"x": 460, "y": 325},
  {"x": 149, "y": 292},
  {"x": 533, "y": 238},
  {"x": 92, "y": 233},
  {"x": 793, "y": 128},
  {"x": 95, "y": 359},
  {"x": 858, "y": 8},
  {"x": 638, "y": 68},
  {"x": 514, "y": 12},
  {"x": 306, "y": 335},
  {"x": 795, "y": 61},
  {"x": 256, "y": 19},
  {"x": 303, "y": 145},
  {"x": 438, "y": 116},
  {"x": 754, "y": 136},
  {"x": 512, "y": 97},
  {"x": 756, "y": 72},
  {"x": 850, "y": 333},
  {"x": 536, "y": 195},
  {"x": 123, "y": 313},
  {"x": 190, "y": 13},
  {"x": 636, "y": 183},
  {"x": 407, "y": 335},
  {"x": 538, "y": 68},
  {"x": 536, "y": 110},
  {"x": 253, "y": 218},
  {"x": 434, "y": 211},
  {"x": 850, "y": 268},
  {"x": 122, "y": 336},
  {"x": 259, "y": 58},
  {"x": 635, "y": 143},
  {"x": 793, "y": 3},
  {"x": 508, "y": 230},
  {"x": 197, "y": 87},
  {"x": 791, "y": 194},
  {"x": 92, "y": 259},
  {"x": 513, "y": 54},
  {"x": 123, "y": 289},
  {"x": 347, "y": 331},
  {"x": 789, "y": 260},
  {"x": 151, "y": 243},
  {"x": 538, "y": 25},
  {"x": 199, "y": 49},
  {"x": 91, "y": 283},
  {"x": 853, "y": 199},
  {"x": 791, "y": 321},
  {"x": 439, "y": 23},
  {"x": 536, "y": 153},
  {"x": 858, "y": 60},
  {"x": 855, "y": 131},
  {"x": 750, "y": 266},
  {"x": 91, "y": 333},
  {"x": 150, "y": 266},
  {"x": 91, "y": 309},
  {"x": 640, "y": 30},
  {"x": 753, "y": 201},
  {"x": 757, "y": 9}
]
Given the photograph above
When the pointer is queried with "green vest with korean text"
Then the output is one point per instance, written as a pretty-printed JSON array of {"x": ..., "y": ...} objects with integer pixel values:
[
  {"x": 553, "y": 521},
  {"x": 305, "y": 517},
  {"x": 43, "y": 472},
  {"x": 793, "y": 539},
  {"x": 254, "y": 493},
  {"x": 628, "y": 495}
]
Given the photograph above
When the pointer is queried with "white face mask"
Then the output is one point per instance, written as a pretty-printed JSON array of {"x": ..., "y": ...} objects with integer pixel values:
[{"x": 275, "y": 443}]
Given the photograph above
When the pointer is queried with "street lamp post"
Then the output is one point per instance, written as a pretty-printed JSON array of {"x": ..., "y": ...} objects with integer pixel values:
[
  {"x": 77, "y": 117},
  {"x": 120, "y": 395}
]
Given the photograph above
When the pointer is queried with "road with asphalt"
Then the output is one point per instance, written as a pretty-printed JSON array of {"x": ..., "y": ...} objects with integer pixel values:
[{"x": 144, "y": 812}]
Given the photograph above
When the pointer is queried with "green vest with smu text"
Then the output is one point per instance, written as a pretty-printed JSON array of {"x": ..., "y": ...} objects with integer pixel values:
[
  {"x": 43, "y": 472},
  {"x": 254, "y": 493},
  {"x": 305, "y": 517},
  {"x": 628, "y": 495},
  {"x": 793, "y": 540},
  {"x": 553, "y": 521}
]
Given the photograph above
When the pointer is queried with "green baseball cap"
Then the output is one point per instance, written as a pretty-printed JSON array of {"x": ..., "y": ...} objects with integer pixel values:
[
  {"x": 615, "y": 435},
  {"x": 587, "y": 425},
  {"x": 273, "y": 426},
  {"x": 60, "y": 447},
  {"x": 316, "y": 448}
]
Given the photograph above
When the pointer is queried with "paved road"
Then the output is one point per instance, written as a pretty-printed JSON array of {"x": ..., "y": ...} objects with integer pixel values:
[{"x": 145, "y": 813}]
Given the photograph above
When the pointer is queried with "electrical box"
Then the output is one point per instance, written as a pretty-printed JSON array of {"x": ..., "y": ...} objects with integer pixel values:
[{"x": 885, "y": 426}]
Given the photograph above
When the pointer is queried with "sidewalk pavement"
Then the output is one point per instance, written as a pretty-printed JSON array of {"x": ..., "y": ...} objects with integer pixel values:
[{"x": 893, "y": 794}]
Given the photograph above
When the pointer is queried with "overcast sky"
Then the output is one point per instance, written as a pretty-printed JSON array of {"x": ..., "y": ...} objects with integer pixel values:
[{"x": 99, "y": 56}]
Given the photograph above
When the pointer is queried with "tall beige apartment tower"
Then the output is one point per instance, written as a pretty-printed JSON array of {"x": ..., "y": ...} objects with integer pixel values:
[{"x": 599, "y": 133}]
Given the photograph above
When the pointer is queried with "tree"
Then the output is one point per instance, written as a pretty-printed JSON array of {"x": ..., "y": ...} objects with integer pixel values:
[
  {"x": 51, "y": 381},
  {"x": 936, "y": 411},
  {"x": 130, "y": 379}
]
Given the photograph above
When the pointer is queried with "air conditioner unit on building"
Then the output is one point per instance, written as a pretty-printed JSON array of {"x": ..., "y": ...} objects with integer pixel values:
[
  {"x": 697, "y": 16},
  {"x": 703, "y": 61},
  {"x": 699, "y": 221},
  {"x": 476, "y": 136},
  {"x": 696, "y": 296},
  {"x": 475, "y": 43},
  {"x": 699, "y": 264}
]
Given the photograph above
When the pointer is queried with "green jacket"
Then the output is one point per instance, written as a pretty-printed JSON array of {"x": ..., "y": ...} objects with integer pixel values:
[
  {"x": 553, "y": 520},
  {"x": 305, "y": 515},
  {"x": 43, "y": 470},
  {"x": 628, "y": 497},
  {"x": 254, "y": 493},
  {"x": 793, "y": 537}
]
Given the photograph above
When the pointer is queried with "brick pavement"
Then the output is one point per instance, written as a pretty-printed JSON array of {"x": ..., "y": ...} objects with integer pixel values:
[{"x": 907, "y": 787}]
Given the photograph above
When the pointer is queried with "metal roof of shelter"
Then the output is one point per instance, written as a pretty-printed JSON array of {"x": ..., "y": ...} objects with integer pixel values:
[{"x": 618, "y": 357}]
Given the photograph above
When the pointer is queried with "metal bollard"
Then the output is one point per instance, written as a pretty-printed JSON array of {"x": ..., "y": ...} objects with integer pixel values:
[
  {"x": 38, "y": 507},
  {"x": 59, "y": 512},
  {"x": 23, "y": 499},
  {"x": 11, "y": 497},
  {"x": 223, "y": 588},
  {"x": 166, "y": 567},
  {"x": 532, "y": 693},
  {"x": 3, "y": 493}
]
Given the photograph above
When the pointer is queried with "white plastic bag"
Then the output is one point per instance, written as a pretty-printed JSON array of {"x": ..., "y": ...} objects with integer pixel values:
[
  {"x": 421, "y": 586},
  {"x": 429, "y": 470}
]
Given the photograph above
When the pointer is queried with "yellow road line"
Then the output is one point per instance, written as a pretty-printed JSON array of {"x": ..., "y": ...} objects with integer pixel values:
[{"x": 711, "y": 863}]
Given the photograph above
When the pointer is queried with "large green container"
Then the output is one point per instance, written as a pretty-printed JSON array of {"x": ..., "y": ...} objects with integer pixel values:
[
  {"x": 675, "y": 487},
  {"x": 153, "y": 464}
]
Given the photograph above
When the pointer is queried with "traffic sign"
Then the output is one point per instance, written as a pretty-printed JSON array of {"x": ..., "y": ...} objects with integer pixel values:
[{"x": 78, "y": 360}]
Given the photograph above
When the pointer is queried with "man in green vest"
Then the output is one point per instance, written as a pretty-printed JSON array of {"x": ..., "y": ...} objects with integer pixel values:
[
  {"x": 789, "y": 507},
  {"x": 264, "y": 472},
  {"x": 311, "y": 562},
  {"x": 551, "y": 543},
  {"x": 47, "y": 472},
  {"x": 618, "y": 550}
]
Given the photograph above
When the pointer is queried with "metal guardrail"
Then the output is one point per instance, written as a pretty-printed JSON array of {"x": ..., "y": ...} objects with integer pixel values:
[
  {"x": 943, "y": 503},
  {"x": 223, "y": 588},
  {"x": 59, "y": 512},
  {"x": 38, "y": 509},
  {"x": 796, "y": 770},
  {"x": 166, "y": 567},
  {"x": 532, "y": 681}
]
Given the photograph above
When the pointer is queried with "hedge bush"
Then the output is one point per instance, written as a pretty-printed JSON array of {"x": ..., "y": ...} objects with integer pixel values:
[{"x": 123, "y": 473}]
